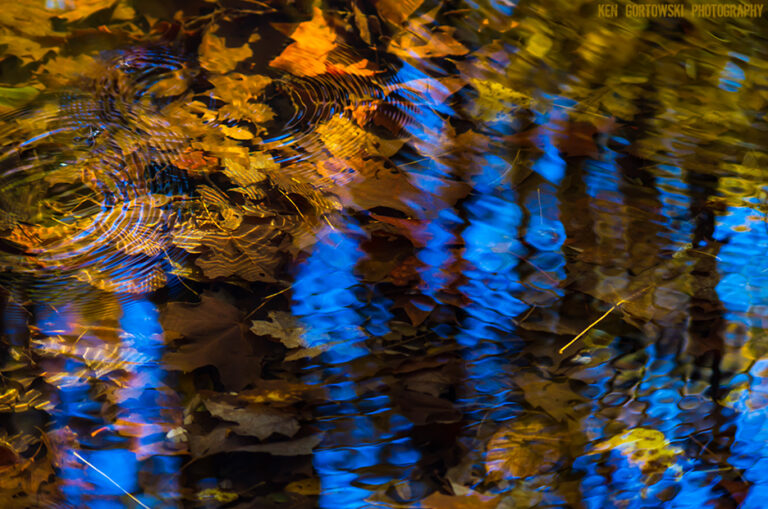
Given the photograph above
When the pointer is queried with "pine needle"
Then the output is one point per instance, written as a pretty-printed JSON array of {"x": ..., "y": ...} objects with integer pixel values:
[
  {"x": 139, "y": 502},
  {"x": 622, "y": 301}
]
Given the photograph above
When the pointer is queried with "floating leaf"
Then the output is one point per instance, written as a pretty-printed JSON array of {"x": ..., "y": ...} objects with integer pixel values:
[
  {"x": 307, "y": 56},
  {"x": 217, "y": 57},
  {"x": 14, "y": 97}
]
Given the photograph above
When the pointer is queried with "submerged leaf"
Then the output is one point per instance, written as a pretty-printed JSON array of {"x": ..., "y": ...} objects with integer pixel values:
[
  {"x": 282, "y": 326},
  {"x": 215, "y": 337},
  {"x": 524, "y": 447}
]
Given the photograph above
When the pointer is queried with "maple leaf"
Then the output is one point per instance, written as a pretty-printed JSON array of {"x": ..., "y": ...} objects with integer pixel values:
[
  {"x": 215, "y": 337},
  {"x": 419, "y": 42},
  {"x": 194, "y": 161},
  {"x": 28, "y": 18},
  {"x": 221, "y": 439},
  {"x": 375, "y": 184},
  {"x": 25, "y": 49},
  {"x": 238, "y": 89}
]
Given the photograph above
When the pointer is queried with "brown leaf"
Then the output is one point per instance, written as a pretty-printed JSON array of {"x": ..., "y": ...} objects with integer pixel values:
[
  {"x": 423, "y": 408},
  {"x": 283, "y": 327},
  {"x": 557, "y": 399},
  {"x": 259, "y": 421},
  {"x": 397, "y": 11},
  {"x": 8, "y": 455},
  {"x": 221, "y": 439},
  {"x": 523, "y": 448},
  {"x": 419, "y": 42},
  {"x": 216, "y": 337},
  {"x": 471, "y": 500}
]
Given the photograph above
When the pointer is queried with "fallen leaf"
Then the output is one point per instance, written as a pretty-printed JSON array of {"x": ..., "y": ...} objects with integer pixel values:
[
  {"x": 524, "y": 447},
  {"x": 646, "y": 448},
  {"x": 217, "y": 57},
  {"x": 307, "y": 55},
  {"x": 283, "y": 327},
  {"x": 309, "y": 487},
  {"x": 556, "y": 399},
  {"x": 221, "y": 439},
  {"x": 419, "y": 42},
  {"x": 397, "y": 11},
  {"x": 260, "y": 421},
  {"x": 471, "y": 500},
  {"x": 215, "y": 337}
]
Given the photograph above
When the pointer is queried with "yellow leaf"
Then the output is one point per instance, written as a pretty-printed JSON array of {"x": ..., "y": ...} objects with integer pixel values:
[
  {"x": 13, "y": 97},
  {"x": 217, "y": 57},
  {"x": 81, "y": 9},
  {"x": 28, "y": 18},
  {"x": 238, "y": 88},
  {"x": 25, "y": 49},
  {"x": 645, "y": 448},
  {"x": 61, "y": 70},
  {"x": 253, "y": 173},
  {"x": 309, "y": 487},
  {"x": 539, "y": 45},
  {"x": 217, "y": 495},
  {"x": 237, "y": 133}
]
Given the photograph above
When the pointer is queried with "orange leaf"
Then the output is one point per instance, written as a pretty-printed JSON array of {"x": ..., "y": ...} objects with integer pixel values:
[{"x": 307, "y": 56}]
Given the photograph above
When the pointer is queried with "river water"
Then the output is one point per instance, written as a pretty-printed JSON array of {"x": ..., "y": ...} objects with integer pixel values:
[{"x": 488, "y": 254}]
